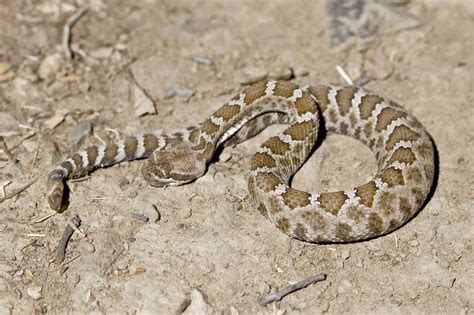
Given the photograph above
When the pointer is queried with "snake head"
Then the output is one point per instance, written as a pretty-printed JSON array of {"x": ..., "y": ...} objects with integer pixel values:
[
  {"x": 55, "y": 194},
  {"x": 174, "y": 165}
]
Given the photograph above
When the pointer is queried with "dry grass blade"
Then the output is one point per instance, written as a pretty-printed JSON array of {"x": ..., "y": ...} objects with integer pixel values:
[
  {"x": 19, "y": 190},
  {"x": 277, "y": 296}
]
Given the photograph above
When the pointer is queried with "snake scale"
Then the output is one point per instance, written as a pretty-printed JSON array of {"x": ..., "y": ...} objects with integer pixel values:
[{"x": 402, "y": 147}]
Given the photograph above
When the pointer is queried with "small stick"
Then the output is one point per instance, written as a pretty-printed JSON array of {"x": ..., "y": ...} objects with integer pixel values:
[
  {"x": 344, "y": 75},
  {"x": 278, "y": 295},
  {"x": 9, "y": 154},
  {"x": 3, "y": 187},
  {"x": 28, "y": 127},
  {"x": 19, "y": 190},
  {"x": 5, "y": 149},
  {"x": 140, "y": 216},
  {"x": 36, "y": 153},
  {"x": 99, "y": 138},
  {"x": 67, "y": 30},
  {"x": 76, "y": 229},
  {"x": 107, "y": 198},
  {"x": 31, "y": 134},
  {"x": 35, "y": 235},
  {"x": 68, "y": 231},
  {"x": 70, "y": 260},
  {"x": 80, "y": 179},
  {"x": 49, "y": 215}
]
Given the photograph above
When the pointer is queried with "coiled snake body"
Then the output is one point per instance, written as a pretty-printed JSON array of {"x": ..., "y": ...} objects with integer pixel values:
[{"x": 403, "y": 149}]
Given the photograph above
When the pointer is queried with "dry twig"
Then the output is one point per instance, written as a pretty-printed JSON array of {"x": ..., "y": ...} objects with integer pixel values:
[
  {"x": 27, "y": 136},
  {"x": 67, "y": 30},
  {"x": 19, "y": 190},
  {"x": 68, "y": 231},
  {"x": 277, "y": 296},
  {"x": 140, "y": 216},
  {"x": 344, "y": 75},
  {"x": 41, "y": 219},
  {"x": 3, "y": 187},
  {"x": 70, "y": 260},
  {"x": 36, "y": 154},
  {"x": 5, "y": 149}
]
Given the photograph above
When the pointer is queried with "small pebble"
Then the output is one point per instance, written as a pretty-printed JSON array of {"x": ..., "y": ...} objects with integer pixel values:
[
  {"x": 414, "y": 243},
  {"x": 34, "y": 292},
  {"x": 396, "y": 302},
  {"x": 285, "y": 73},
  {"x": 90, "y": 248},
  {"x": 139, "y": 270},
  {"x": 140, "y": 216},
  {"x": 202, "y": 60},
  {"x": 179, "y": 91},
  {"x": 345, "y": 254},
  {"x": 28, "y": 274},
  {"x": 50, "y": 66},
  {"x": 251, "y": 75}
]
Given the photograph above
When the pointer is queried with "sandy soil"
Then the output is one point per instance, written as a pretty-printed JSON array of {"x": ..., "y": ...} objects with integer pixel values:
[{"x": 208, "y": 245}]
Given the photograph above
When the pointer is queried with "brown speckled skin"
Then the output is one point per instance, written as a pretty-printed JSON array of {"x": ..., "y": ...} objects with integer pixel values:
[{"x": 403, "y": 149}]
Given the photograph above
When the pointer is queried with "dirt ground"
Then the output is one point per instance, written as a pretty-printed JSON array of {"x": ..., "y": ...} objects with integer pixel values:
[{"x": 152, "y": 64}]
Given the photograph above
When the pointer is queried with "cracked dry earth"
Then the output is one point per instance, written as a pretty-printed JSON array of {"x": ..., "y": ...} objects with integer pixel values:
[{"x": 165, "y": 65}]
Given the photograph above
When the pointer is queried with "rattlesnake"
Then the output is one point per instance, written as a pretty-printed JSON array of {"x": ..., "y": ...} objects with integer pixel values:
[{"x": 403, "y": 149}]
